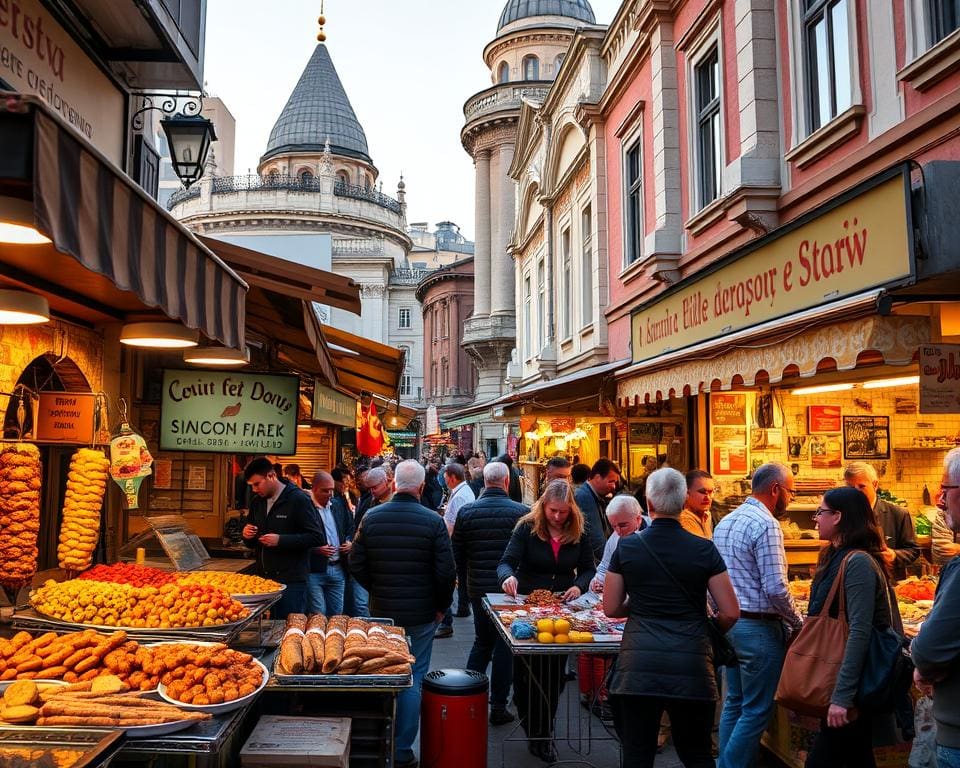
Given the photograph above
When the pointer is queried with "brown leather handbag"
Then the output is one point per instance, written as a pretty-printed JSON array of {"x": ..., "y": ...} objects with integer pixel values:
[{"x": 813, "y": 660}]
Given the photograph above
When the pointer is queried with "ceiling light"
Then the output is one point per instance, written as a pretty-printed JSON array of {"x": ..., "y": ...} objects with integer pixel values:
[
  {"x": 16, "y": 223},
  {"x": 902, "y": 381},
  {"x": 23, "y": 308},
  {"x": 216, "y": 356},
  {"x": 821, "y": 388},
  {"x": 158, "y": 336}
]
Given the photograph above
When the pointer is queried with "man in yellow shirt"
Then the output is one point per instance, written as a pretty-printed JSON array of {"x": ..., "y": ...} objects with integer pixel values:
[{"x": 696, "y": 511}]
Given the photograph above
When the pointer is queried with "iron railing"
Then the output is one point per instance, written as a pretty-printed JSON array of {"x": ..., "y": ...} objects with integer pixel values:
[
  {"x": 357, "y": 192},
  {"x": 182, "y": 195},
  {"x": 406, "y": 276}
]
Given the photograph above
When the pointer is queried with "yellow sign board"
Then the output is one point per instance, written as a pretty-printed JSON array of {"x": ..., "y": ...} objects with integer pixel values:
[{"x": 861, "y": 243}]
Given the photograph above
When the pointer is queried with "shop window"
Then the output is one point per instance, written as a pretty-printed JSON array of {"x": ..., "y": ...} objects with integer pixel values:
[
  {"x": 709, "y": 153},
  {"x": 503, "y": 75},
  {"x": 404, "y": 318},
  {"x": 531, "y": 68},
  {"x": 944, "y": 18},
  {"x": 566, "y": 289},
  {"x": 633, "y": 210},
  {"x": 586, "y": 267},
  {"x": 826, "y": 40}
]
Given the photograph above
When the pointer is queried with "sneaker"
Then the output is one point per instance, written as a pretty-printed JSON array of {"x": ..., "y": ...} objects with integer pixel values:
[
  {"x": 442, "y": 632},
  {"x": 501, "y": 716}
]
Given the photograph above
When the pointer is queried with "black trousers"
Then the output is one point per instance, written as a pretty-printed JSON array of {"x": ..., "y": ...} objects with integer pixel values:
[
  {"x": 637, "y": 720},
  {"x": 848, "y": 747},
  {"x": 537, "y": 684}
]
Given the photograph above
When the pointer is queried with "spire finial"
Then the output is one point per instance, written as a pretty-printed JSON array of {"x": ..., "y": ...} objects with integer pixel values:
[{"x": 321, "y": 20}]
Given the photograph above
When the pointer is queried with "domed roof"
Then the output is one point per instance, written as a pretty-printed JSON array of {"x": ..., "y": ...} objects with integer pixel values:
[
  {"x": 524, "y": 9},
  {"x": 318, "y": 110}
]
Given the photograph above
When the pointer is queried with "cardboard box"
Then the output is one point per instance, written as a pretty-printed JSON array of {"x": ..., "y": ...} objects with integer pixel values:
[{"x": 309, "y": 741}]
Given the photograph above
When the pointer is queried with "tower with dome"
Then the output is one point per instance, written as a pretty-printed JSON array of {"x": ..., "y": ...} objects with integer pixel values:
[{"x": 531, "y": 40}]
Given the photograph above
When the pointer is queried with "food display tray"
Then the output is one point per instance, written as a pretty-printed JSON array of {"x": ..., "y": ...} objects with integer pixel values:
[
  {"x": 30, "y": 620},
  {"x": 347, "y": 682},
  {"x": 99, "y": 744}
]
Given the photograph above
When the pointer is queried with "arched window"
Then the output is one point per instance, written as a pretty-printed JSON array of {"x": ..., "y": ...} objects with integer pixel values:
[
  {"x": 531, "y": 68},
  {"x": 558, "y": 63},
  {"x": 306, "y": 177},
  {"x": 343, "y": 178},
  {"x": 503, "y": 73},
  {"x": 367, "y": 183}
]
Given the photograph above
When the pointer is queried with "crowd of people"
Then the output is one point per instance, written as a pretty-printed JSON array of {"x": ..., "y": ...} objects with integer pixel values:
[{"x": 401, "y": 541}]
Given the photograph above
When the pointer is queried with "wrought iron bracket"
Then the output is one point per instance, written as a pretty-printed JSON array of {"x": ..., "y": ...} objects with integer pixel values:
[{"x": 170, "y": 103}]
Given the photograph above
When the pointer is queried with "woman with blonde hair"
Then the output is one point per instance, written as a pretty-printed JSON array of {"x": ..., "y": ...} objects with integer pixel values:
[{"x": 548, "y": 550}]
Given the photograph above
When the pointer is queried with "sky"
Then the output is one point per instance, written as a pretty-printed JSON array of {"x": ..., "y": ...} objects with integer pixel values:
[{"x": 407, "y": 67}]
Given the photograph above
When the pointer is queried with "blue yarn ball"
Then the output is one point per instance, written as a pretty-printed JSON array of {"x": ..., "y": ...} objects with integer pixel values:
[{"x": 523, "y": 630}]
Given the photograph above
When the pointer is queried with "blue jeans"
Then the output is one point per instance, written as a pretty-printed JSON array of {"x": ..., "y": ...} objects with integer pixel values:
[
  {"x": 486, "y": 646},
  {"x": 293, "y": 600},
  {"x": 325, "y": 591},
  {"x": 359, "y": 602},
  {"x": 751, "y": 685},
  {"x": 408, "y": 702},
  {"x": 948, "y": 757}
]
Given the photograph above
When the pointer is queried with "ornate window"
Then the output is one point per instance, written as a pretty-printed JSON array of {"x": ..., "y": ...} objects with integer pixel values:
[
  {"x": 633, "y": 210},
  {"x": 586, "y": 266},
  {"x": 503, "y": 73},
  {"x": 306, "y": 177},
  {"x": 709, "y": 154},
  {"x": 343, "y": 177},
  {"x": 566, "y": 287},
  {"x": 531, "y": 68}
]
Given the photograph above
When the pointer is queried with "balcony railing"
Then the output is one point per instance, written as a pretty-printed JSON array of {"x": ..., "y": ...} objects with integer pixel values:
[
  {"x": 358, "y": 246},
  {"x": 181, "y": 196},
  {"x": 505, "y": 96},
  {"x": 369, "y": 194},
  {"x": 404, "y": 276}
]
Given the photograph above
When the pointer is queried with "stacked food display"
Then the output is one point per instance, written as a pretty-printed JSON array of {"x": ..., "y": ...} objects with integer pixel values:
[{"x": 542, "y": 619}]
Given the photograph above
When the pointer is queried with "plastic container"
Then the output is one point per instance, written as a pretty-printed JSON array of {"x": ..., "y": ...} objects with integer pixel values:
[{"x": 453, "y": 719}]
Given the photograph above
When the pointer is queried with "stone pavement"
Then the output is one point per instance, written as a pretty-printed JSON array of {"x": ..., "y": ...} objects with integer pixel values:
[{"x": 602, "y": 750}]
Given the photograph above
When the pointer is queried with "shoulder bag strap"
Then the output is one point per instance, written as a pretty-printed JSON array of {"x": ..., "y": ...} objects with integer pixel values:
[
  {"x": 836, "y": 587},
  {"x": 672, "y": 577}
]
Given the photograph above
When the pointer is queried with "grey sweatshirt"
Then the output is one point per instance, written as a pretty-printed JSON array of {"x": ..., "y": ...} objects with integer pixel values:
[{"x": 936, "y": 653}]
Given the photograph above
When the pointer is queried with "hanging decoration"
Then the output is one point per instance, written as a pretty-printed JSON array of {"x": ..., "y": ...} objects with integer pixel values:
[{"x": 130, "y": 461}]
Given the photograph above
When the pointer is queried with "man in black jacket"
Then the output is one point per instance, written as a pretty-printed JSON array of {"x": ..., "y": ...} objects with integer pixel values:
[
  {"x": 480, "y": 536},
  {"x": 591, "y": 498},
  {"x": 401, "y": 555},
  {"x": 282, "y": 527},
  {"x": 328, "y": 564}
]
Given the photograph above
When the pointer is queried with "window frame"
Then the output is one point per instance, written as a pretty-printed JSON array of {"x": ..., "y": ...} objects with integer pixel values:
[
  {"x": 936, "y": 31},
  {"x": 406, "y": 383},
  {"x": 707, "y": 115},
  {"x": 536, "y": 67},
  {"x": 528, "y": 316},
  {"x": 503, "y": 73},
  {"x": 632, "y": 247},
  {"x": 810, "y": 12},
  {"x": 400, "y": 317},
  {"x": 541, "y": 303},
  {"x": 586, "y": 265},
  {"x": 566, "y": 281}
]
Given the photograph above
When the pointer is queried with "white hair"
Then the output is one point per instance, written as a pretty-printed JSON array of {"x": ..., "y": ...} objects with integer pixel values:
[
  {"x": 951, "y": 463},
  {"x": 409, "y": 476},
  {"x": 494, "y": 473},
  {"x": 374, "y": 476},
  {"x": 666, "y": 491},
  {"x": 624, "y": 504},
  {"x": 860, "y": 469}
]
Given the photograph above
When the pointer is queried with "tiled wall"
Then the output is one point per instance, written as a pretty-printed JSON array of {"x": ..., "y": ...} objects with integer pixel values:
[{"x": 907, "y": 471}]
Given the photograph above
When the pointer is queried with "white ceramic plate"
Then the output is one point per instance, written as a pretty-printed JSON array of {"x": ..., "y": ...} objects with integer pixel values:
[
  {"x": 219, "y": 709},
  {"x": 161, "y": 729}
]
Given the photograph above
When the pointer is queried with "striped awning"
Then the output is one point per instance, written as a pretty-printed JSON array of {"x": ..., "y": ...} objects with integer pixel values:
[{"x": 95, "y": 213}]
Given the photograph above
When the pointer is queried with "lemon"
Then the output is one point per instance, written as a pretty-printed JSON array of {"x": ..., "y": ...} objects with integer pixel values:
[
  {"x": 561, "y": 627},
  {"x": 545, "y": 637},
  {"x": 574, "y": 636},
  {"x": 545, "y": 625},
  {"x": 586, "y": 637},
  {"x": 563, "y": 639}
]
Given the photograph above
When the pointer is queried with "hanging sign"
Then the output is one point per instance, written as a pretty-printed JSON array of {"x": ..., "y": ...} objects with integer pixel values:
[
  {"x": 940, "y": 378},
  {"x": 229, "y": 412},
  {"x": 65, "y": 417},
  {"x": 333, "y": 407},
  {"x": 130, "y": 463}
]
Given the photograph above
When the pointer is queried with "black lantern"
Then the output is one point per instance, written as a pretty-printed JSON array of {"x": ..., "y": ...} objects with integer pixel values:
[{"x": 189, "y": 140}]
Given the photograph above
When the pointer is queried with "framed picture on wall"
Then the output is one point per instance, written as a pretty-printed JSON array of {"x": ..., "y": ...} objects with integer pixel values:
[
  {"x": 866, "y": 437},
  {"x": 798, "y": 448},
  {"x": 823, "y": 419}
]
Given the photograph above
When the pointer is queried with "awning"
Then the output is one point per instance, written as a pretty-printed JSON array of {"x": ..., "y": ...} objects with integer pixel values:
[
  {"x": 283, "y": 276},
  {"x": 838, "y": 336},
  {"x": 364, "y": 365},
  {"x": 128, "y": 254},
  {"x": 586, "y": 380}
]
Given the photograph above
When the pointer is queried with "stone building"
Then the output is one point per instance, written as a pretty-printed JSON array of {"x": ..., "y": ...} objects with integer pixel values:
[
  {"x": 532, "y": 39},
  {"x": 316, "y": 199}
]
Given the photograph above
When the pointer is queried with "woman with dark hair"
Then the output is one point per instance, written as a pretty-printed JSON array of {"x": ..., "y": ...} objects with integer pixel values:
[
  {"x": 548, "y": 550},
  {"x": 847, "y": 521}
]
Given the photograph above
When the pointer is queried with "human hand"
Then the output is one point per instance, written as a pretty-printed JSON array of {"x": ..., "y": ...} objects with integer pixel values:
[
  {"x": 510, "y": 586},
  {"x": 596, "y": 585},
  {"x": 571, "y": 594},
  {"x": 838, "y": 716},
  {"x": 889, "y": 556},
  {"x": 327, "y": 550},
  {"x": 270, "y": 539},
  {"x": 249, "y": 531},
  {"x": 346, "y": 547},
  {"x": 923, "y": 684}
]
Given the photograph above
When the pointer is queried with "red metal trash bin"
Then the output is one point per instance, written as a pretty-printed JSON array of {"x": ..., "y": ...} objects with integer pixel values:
[{"x": 453, "y": 719}]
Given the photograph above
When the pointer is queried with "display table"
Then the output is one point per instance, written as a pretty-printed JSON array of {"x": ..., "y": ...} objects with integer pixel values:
[{"x": 580, "y": 729}]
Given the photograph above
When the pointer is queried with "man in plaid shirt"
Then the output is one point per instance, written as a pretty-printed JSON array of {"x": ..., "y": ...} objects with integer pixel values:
[{"x": 750, "y": 541}]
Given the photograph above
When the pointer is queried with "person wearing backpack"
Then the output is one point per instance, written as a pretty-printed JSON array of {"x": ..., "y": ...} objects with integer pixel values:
[{"x": 846, "y": 519}]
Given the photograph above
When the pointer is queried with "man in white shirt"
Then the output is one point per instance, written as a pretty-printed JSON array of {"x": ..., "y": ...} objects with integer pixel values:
[
  {"x": 626, "y": 516},
  {"x": 455, "y": 476},
  {"x": 326, "y": 583}
]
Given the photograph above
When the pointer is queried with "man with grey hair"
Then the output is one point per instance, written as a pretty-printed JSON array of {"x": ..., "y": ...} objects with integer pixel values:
[
  {"x": 402, "y": 556},
  {"x": 895, "y": 522},
  {"x": 626, "y": 516},
  {"x": 936, "y": 650},
  {"x": 750, "y": 540},
  {"x": 480, "y": 536},
  {"x": 378, "y": 487}
]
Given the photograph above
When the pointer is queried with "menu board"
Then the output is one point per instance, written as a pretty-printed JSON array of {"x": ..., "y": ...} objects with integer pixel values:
[
  {"x": 940, "y": 378},
  {"x": 185, "y": 550},
  {"x": 65, "y": 417},
  {"x": 728, "y": 410}
]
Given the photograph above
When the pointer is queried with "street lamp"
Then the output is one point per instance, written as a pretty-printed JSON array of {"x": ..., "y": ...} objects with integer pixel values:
[{"x": 188, "y": 137}]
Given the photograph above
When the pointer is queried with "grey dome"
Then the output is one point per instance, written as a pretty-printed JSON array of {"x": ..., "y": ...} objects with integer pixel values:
[
  {"x": 523, "y": 9},
  {"x": 318, "y": 110}
]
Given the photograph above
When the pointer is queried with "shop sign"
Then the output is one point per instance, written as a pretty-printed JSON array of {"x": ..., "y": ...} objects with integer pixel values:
[
  {"x": 728, "y": 410},
  {"x": 65, "y": 417},
  {"x": 334, "y": 407},
  {"x": 37, "y": 56},
  {"x": 940, "y": 378},
  {"x": 854, "y": 245},
  {"x": 229, "y": 412},
  {"x": 433, "y": 421},
  {"x": 563, "y": 426}
]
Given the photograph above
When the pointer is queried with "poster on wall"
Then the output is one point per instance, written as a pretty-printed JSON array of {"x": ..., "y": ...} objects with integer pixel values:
[
  {"x": 826, "y": 452},
  {"x": 866, "y": 437},
  {"x": 824, "y": 419},
  {"x": 798, "y": 447},
  {"x": 766, "y": 439},
  {"x": 729, "y": 459},
  {"x": 728, "y": 410},
  {"x": 940, "y": 378}
]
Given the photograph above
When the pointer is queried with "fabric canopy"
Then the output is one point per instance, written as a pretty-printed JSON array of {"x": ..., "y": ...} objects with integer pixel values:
[{"x": 364, "y": 365}]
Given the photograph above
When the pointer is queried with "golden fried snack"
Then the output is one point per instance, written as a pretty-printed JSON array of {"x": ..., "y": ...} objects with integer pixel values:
[
  {"x": 20, "y": 693},
  {"x": 21, "y": 713},
  {"x": 80, "y": 530},
  {"x": 333, "y": 644}
]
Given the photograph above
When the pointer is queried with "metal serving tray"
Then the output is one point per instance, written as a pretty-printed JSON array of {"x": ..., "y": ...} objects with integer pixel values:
[
  {"x": 340, "y": 681},
  {"x": 98, "y": 744}
]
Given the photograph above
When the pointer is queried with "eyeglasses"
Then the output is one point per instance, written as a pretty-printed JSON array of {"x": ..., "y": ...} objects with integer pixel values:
[
  {"x": 945, "y": 488},
  {"x": 823, "y": 511},
  {"x": 791, "y": 491}
]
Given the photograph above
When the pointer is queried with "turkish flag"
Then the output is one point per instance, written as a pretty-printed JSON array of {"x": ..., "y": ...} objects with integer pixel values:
[{"x": 369, "y": 431}]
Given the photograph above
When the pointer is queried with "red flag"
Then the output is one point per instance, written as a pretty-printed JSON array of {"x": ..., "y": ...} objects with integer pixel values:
[{"x": 369, "y": 431}]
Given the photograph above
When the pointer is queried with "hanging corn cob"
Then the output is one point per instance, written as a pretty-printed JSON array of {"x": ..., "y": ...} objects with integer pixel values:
[
  {"x": 80, "y": 529},
  {"x": 19, "y": 512}
]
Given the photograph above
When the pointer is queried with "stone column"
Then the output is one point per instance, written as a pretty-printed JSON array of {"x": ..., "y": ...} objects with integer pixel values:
[
  {"x": 501, "y": 265},
  {"x": 482, "y": 244}
]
